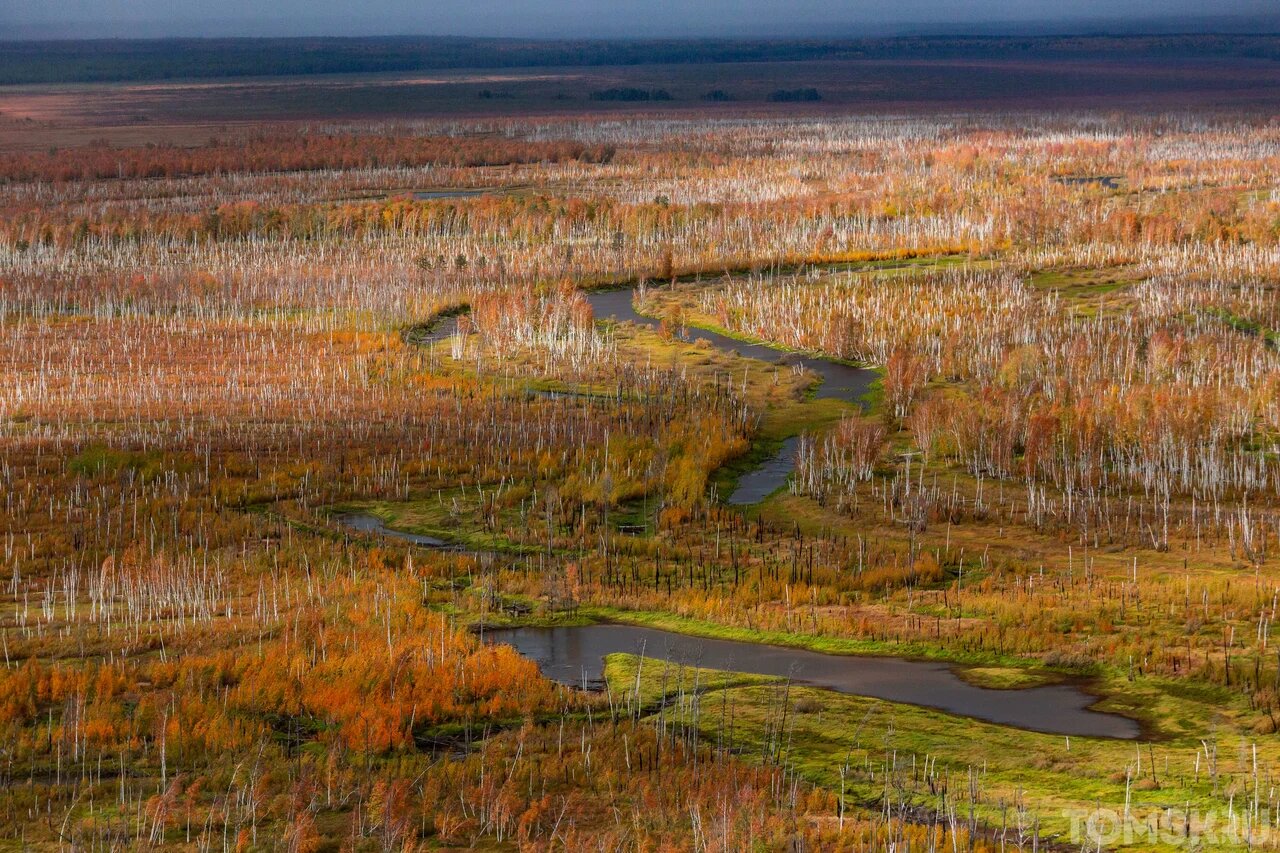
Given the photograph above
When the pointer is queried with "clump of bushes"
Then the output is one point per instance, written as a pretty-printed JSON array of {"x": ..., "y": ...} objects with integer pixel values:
[
  {"x": 628, "y": 93},
  {"x": 791, "y": 95}
]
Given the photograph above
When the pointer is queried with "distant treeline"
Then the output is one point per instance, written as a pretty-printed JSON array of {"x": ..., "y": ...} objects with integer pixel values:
[
  {"x": 287, "y": 152},
  {"x": 628, "y": 93},
  {"x": 788, "y": 95},
  {"x": 125, "y": 60}
]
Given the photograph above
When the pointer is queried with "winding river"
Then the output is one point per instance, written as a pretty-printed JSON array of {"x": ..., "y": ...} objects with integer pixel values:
[
  {"x": 575, "y": 656},
  {"x": 838, "y": 381},
  {"x": 364, "y": 523}
]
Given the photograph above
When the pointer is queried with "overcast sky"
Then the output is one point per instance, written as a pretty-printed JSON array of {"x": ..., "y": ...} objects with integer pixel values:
[{"x": 605, "y": 18}]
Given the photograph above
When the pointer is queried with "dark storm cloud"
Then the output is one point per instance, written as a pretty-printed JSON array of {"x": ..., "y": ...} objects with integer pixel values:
[{"x": 575, "y": 18}]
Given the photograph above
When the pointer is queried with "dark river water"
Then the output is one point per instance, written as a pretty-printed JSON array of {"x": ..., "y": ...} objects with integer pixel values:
[
  {"x": 575, "y": 656},
  {"x": 758, "y": 483},
  {"x": 441, "y": 329},
  {"x": 364, "y": 523}
]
